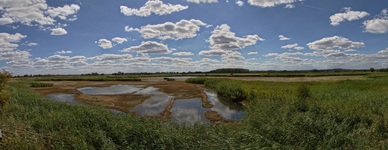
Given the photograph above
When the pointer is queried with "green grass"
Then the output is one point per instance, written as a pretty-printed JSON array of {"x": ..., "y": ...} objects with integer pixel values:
[
  {"x": 87, "y": 78},
  {"x": 349, "y": 114}
]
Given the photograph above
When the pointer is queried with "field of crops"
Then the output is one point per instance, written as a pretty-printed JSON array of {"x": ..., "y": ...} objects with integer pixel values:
[{"x": 347, "y": 114}]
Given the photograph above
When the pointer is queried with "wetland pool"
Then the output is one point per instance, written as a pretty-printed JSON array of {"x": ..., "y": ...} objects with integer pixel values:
[{"x": 162, "y": 105}]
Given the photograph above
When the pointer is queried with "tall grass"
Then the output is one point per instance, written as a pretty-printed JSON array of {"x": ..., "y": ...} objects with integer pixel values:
[{"x": 315, "y": 115}]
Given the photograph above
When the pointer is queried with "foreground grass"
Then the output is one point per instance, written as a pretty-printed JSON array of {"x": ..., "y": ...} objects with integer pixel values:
[{"x": 316, "y": 115}]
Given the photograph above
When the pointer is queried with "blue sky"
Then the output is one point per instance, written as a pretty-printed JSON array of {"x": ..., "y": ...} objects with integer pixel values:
[{"x": 83, "y": 36}]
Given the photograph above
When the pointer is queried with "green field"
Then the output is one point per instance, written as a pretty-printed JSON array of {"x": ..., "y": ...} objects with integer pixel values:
[{"x": 347, "y": 114}]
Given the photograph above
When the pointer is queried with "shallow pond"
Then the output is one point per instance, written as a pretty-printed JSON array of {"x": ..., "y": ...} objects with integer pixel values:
[
  {"x": 111, "y": 90},
  {"x": 181, "y": 111}
]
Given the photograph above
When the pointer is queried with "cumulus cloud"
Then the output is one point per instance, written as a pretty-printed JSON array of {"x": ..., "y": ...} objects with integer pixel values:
[
  {"x": 183, "y": 54},
  {"x": 58, "y": 31},
  {"x": 222, "y": 38},
  {"x": 179, "y": 30},
  {"x": 152, "y": 6},
  {"x": 270, "y": 3},
  {"x": 348, "y": 15},
  {"x": 112, "y": 57},
  {"x": 64, "y": 12},
  {"x": 377, "y": 25},
  {"x": 253, "y": 53},
  {"x": 292, "y": 46},
  {"x": 32, "y": 44},
  {"x": 202, "y": 1},
  {"x": 14, "y": 55},
  {"x": 216, "y": 52},
  {"x": 289, "y": 6},
  {"x": 283, "y": 38},
  {"x": 240, "y": 3},
  {"x": 8, "y": 42},
  {"x": 119, "y": 40},
  {"x": 149, "y": 47},
  {"x": 4, "y": 21},
  {"x": 104, "y": 43},
  {"x": 63, "y": 52},
  {"x": 31, "y": 12},
  {"x": 334, "y": 42}
]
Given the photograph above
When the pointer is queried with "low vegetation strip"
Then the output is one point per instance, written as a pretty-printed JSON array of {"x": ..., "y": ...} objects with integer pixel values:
[
  {"x": 40, "y": 84},
  {"x": 80, "y": 78},
  {"x": 349, "y": 114}
]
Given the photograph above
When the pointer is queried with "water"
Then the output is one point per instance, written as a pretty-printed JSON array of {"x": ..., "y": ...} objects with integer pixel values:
[
  {"x": 183, "y": 111},
  {"x": 112, "y": 90},
  {"x": 64, "y": 98},
  {"x": 188, "y": 111},
  {"x": 231, "y": 112},
  {"x": 155, "y": 105}
]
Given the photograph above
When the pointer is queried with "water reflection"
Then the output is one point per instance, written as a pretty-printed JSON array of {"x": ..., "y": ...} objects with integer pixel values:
[
  {"x": 155, "y": 105},
  {"x": 112, "y": 90},
  {"x": 188, "y": 111},
  {"x": 64, "y": 98},
  {"x": 231, "y": 111}
]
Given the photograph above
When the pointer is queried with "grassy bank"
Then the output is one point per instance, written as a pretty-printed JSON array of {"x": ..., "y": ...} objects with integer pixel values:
[
  {"x": 86, "y": 78},
  {"x": 341, "y": 114}
]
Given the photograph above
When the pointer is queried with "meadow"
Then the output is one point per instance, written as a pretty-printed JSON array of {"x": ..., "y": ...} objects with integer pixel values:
[{"x": 346, "y": 114}]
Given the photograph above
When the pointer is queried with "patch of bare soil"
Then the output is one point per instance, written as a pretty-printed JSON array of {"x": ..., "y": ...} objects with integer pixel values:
[{"x": 213, "y": 116}]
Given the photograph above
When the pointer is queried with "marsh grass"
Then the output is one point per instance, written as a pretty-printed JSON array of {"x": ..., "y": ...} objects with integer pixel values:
[
  {"x": 350, "y": 114},
  {"x": 41, "y": 84}
]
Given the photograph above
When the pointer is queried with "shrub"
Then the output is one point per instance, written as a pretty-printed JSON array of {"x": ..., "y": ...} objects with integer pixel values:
[{"x": 4, "y": 96}]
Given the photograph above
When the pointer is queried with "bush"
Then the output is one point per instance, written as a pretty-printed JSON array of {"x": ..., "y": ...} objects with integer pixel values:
[{"x": 4, "y": 96}]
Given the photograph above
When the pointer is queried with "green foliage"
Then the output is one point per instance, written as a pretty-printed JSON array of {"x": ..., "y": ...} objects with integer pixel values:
[
  {"x": 89, "y": 78},
  {"x": 196, "y": 80},
  {"x": 40, "y": 84},
  {"x": 4, "y": 96},
  {"x": 349, "y": 114}
]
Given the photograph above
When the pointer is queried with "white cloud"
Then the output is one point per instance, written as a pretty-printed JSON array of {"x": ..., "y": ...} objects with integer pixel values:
[
  {"x": 149, "y": 47},
  {"x": 377, "y": 25},
  {"x": 334, "y": 42},
  {"x": 270, "y": 3},
  {"x": 217, "y": 52},
  {"x": 64, "y": 12},
  {"x": 203, "y": 1},
  {"x": 8, "y": 41},
  {"x": 179, "y": 30},
  {"x": 253, "y": 53},
  {"x": 222, "y": 38},
  {"x": 112, "y": 57},
  {"x": 289, "y": 6},
  {"x": 292, "y": 46},
  {"x": 4, "y": 21},
  {"x": 63, "y": 52},
  {"x": 348, "y": 15},
  {"x": 240, "y": 3},
  {"x": 183, "y": 54},
  {"x": 14, "y": 55},
  {"x": 32, "y": 44},
  {"x": 104, "y": 43},
  {"x": 152, "y": 6},
  {"x": 119, "y": 40},
  {"x": 58, "y": 31},
  {"x": 283, "y": 38},
  {"x": 34, "y": 12},
  {"x": 130, "y": 29}
]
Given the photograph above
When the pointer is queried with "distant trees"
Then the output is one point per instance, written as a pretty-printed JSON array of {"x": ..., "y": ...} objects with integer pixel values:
[
  {"x": 230, "y": 70},
  {"x": 372, "y": 69}
]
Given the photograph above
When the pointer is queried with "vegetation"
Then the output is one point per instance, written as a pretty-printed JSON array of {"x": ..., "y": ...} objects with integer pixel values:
[
  {"x": 88, "y": 78},
  {"x": 4, "y": 96},
  {"x": 230, "y": 70},
  {"x": 41, "y": 84},
  {"x": 348, "y": 114}
]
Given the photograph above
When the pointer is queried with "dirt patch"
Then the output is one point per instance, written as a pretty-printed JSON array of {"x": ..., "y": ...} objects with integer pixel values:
[{"x": 213, "y": 116}]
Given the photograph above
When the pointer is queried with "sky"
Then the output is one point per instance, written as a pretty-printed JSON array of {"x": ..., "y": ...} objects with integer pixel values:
[{"x": 107, "y": 36}]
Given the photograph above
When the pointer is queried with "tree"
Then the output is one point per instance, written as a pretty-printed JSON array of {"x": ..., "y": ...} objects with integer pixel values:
[{"x": 372, "y": 69}]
